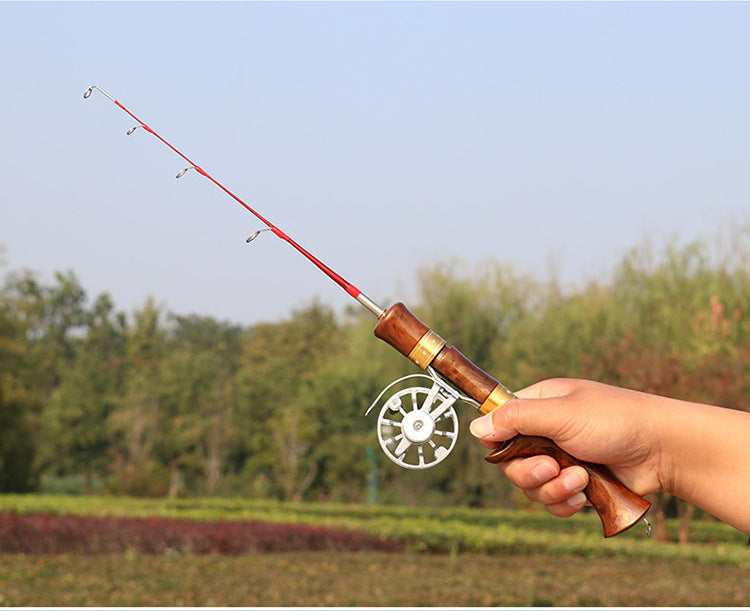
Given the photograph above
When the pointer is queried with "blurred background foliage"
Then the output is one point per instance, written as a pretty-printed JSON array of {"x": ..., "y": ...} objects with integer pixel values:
[{"x": 159, "y": 404}]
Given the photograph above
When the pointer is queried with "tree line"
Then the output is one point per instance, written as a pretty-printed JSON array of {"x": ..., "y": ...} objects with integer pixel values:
[{"x": 157, "y": 403}]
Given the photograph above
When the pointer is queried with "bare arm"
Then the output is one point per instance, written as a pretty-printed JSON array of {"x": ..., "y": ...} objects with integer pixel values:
[{"x": 697, "y": 452}]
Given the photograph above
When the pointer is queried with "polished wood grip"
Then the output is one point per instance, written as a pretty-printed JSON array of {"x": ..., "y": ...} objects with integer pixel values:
[
  {"x": 402, "y": 330},
  {"x": 618, "y": 507}
]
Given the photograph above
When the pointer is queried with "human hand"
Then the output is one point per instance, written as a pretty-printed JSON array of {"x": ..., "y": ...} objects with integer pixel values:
[{"x": 594, "y": 422}]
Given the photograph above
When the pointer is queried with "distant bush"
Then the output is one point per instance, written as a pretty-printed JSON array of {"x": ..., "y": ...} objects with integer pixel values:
[{"x": 54, "y": 534}]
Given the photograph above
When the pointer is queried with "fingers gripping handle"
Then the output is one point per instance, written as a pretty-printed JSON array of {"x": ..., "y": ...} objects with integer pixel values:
[{"x": 618, "y": 507}]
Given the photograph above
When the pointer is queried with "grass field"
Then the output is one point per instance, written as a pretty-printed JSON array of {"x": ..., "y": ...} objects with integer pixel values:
[
  {"x": 453, "y": 557},
  {"x": 365, "y": 579}
]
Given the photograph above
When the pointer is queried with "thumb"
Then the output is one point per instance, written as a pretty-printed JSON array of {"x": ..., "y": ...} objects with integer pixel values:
[{"x": 545, "y": 417}]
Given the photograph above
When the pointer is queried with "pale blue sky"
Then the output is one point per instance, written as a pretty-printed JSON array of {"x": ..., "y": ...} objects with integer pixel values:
[{"x": 382, "y": 136}]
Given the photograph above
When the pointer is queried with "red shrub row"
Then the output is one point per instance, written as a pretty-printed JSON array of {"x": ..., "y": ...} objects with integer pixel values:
[{"x": 50, "y": 534}]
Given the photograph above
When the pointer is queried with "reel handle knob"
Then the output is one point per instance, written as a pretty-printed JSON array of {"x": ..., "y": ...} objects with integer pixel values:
[{"x": 618, "y": 507}]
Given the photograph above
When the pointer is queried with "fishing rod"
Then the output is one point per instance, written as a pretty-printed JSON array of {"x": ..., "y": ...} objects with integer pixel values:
[
  {"x": 348, "y": 287},
  {"x": 417, "y": 425}
]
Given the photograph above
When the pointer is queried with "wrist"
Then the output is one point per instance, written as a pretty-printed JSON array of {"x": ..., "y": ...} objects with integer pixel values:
[
  {"x": 668, "y": 443},
  {"x": 682, "y": 458}
]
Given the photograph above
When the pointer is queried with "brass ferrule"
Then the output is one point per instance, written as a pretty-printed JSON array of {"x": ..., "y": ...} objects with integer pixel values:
[
  {"x": 426, "y": 349},
  {"x": 499, "y": 396}
]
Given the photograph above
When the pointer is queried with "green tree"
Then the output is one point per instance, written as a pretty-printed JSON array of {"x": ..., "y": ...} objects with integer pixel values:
[
  {"x": 40, "y": 330},
  {"x": 473, "y": 309},
  {"x": 198, "y": 424},
  {"x": 278, "y": 365},
  {"x": 17, "y": 406},
  {"x": 74, "y": 436},
  {"x": 135, "y": 419},
  {"x": 340, "y": 392}
]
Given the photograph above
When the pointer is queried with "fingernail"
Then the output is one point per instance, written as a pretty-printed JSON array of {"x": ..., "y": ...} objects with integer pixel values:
[
  {"x": 481, "y": 427},
  {"x": 543, "y": 472},
  {"x": 577, "y": 501},
  {"x": 575, "y": 480}
]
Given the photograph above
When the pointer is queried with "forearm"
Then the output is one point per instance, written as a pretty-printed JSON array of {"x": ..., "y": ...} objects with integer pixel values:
[{"x": 706, "y": 458}]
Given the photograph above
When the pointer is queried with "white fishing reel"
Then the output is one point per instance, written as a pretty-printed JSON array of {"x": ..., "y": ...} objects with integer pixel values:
[{"x": 417, "y": 425}]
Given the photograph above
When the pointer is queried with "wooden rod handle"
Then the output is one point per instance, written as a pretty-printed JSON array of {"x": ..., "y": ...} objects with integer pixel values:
[
  {"x": 618, "y": 507},
  {"x": 402, "y": 330}
]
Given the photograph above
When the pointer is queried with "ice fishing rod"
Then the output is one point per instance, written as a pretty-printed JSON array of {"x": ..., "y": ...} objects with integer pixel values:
[
  {"x": 347, "y": 286},
  {"x": 417, "y": 425}
]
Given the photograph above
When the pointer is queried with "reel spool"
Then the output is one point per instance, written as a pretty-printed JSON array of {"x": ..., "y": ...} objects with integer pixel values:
[{"x": 417, "y": 426}]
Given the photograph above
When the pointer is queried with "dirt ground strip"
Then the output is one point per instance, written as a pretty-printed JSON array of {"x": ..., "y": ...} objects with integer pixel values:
[{"x": 364, "y": 579}]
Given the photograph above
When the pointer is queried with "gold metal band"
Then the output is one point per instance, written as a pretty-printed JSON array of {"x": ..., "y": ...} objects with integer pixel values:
[
  {"x": 495, "y": 399},
  {"x": 426, "y": 349}
]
